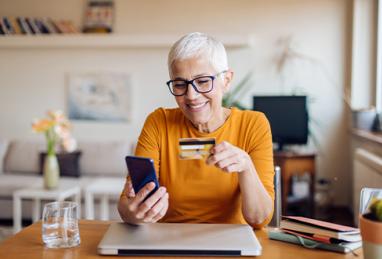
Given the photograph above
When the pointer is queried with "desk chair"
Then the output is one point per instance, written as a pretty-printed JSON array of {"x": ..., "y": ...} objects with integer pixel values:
[{"x": 275, "y": 222}]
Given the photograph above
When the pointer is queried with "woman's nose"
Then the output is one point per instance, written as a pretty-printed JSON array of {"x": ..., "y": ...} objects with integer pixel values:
[{"x": 191, "y": 92}]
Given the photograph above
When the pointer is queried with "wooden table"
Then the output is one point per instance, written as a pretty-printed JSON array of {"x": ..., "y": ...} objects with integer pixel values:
[{"x": 27, "y": 244}]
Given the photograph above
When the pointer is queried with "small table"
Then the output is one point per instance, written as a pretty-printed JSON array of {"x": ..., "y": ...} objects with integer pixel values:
[
  {"x": 292, "y": 163},
  {"x": 67, "y": 188},
  {"x": 105, "y": 187},
  {"x": 28, "y": 244}
]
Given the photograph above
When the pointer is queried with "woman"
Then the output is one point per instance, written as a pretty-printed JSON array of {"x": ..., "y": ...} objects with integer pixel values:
[{"x": 235, "y": 183}]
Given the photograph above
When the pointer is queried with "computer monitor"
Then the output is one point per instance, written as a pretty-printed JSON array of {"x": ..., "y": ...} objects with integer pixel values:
[{"x": 287, "y": 116}]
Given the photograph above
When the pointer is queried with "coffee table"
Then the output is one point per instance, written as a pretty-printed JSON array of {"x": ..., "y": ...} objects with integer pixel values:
[{"x": 68, "y": 188}]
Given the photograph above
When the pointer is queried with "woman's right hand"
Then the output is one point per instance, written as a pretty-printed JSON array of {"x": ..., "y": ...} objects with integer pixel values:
[{"x": 150, "y": 210}]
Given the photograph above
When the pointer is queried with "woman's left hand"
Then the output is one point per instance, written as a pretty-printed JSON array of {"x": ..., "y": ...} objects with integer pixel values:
[{"x": 229, "y": 158}]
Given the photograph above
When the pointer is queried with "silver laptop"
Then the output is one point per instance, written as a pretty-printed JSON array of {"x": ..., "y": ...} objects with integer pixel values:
[{"x": 179, "y": 239}]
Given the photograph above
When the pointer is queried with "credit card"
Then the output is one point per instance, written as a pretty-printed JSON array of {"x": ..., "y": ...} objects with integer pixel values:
[{"x": 195, "y": 148}]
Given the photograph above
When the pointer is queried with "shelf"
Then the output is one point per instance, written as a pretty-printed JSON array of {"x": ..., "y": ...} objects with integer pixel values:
[
  {"x": 107, "y": 41},
  {"x": 375, "y": 137}
]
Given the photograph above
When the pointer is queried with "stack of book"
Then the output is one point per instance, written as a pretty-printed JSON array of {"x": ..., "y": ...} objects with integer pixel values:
[
  {"x": 312, "y": 233},
  {"x": 34, "y": 26}
]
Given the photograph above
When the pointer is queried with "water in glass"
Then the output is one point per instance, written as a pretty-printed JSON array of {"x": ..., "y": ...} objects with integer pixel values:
[{"x": 60, "y": 225}]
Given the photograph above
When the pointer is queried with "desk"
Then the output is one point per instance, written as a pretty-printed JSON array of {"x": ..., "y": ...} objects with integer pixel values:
[
  {"x": 295, "y": 164},
  {"x": 28, "y": 244}
]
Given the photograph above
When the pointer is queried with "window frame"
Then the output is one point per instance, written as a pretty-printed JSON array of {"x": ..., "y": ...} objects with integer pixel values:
[{"x": 378, "y": 86}]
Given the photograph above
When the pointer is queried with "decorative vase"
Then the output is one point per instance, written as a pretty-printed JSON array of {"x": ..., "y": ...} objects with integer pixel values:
[
  {"x": 51, "y": 171},
  {"x": 371, "y": 237}
]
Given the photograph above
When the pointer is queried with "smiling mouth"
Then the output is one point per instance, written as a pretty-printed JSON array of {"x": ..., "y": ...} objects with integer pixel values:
[{"x": 196, "y": 107}]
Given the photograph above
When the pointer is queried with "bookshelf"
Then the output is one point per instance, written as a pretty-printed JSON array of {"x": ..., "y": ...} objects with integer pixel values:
[{"x": 108, "y": 40}]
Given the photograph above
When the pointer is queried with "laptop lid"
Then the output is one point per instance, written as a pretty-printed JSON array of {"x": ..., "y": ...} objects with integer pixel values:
[{"x": 180, "y": 239}]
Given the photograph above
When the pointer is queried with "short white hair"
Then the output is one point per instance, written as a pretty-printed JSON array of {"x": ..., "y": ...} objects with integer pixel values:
[{"x": 197, "y": 44}]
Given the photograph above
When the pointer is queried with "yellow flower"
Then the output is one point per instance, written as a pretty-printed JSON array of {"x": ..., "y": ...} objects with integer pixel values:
[
  {"x": 43, "y": 125},
  {"x": 55, "y": 128}
]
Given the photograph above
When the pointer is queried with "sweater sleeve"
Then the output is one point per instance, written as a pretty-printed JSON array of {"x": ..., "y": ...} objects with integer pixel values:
[
  {"x": 148, "y": 143},
  {"x": 149, "y": 140},
  {"x": 261, "y": 153}
]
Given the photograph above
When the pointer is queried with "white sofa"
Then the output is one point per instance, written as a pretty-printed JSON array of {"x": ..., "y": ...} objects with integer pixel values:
[{"x": 19, "y": 167}]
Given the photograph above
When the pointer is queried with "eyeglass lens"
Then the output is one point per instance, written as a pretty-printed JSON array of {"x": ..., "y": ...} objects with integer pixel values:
[{"x": 202, "y": 85}]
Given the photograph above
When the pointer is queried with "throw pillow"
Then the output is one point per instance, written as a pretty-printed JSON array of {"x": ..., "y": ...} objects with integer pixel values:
[{"x": 69, "y": 163}]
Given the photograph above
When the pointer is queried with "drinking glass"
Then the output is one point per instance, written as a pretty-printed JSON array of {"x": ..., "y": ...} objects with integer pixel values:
[{"x": 60, "y": 225}]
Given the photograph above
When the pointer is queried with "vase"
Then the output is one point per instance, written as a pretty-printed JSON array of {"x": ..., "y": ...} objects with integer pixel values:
[{"x": 51, "y": 171}]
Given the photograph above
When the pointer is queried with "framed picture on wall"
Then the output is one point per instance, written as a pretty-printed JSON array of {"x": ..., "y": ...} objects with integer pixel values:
[{"x": 99, "y": 96}]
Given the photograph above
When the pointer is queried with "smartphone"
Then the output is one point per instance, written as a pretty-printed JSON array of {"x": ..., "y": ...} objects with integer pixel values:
[{"x": 142, "y": 171}]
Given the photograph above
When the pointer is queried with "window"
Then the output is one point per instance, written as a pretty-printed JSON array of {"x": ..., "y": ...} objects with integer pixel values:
[
  {"x": 378, "y": 90},
  {"x": 366, "y": 75}
]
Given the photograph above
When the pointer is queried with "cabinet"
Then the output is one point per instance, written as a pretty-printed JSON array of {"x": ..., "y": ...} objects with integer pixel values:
[{"x": 292, "y": 164}]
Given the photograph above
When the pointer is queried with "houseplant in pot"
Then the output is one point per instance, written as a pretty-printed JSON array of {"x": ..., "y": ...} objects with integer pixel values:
[{"x": 371, "y": 230}]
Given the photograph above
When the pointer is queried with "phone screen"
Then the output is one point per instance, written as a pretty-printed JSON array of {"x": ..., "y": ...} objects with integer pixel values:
[{"x": 142, "y": 171}]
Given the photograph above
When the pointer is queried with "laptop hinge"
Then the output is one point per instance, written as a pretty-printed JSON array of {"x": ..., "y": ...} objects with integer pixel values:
[{"x": 164, "y": 252}]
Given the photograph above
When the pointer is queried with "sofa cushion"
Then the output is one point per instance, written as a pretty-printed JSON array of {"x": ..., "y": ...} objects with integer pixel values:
[
  {"x": 3, "y": 150},
  {"x": 105, "y": 158},
  {"x": 23, "y": 156}
]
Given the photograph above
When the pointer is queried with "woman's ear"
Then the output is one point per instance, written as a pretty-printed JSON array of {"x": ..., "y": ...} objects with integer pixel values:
[{"x": 227, "y": 80}]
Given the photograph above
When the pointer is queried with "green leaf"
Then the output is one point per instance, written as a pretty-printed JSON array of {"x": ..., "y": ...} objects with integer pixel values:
[
  {"x": 232, "y": 97},
  {"x": 241, "y": 85}
]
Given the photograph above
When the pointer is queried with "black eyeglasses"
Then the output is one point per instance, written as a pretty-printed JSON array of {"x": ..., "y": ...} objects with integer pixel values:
[{"x": 201, "y": 84}]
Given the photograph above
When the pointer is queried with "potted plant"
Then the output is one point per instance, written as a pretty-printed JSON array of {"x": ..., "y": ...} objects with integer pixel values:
[
  {"x": 235, "y": 95},
  {"x": 371, "y": 230}
]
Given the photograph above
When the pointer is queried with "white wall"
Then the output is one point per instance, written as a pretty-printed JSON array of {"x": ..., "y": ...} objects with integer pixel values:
[{"x": 31, "y": 81}]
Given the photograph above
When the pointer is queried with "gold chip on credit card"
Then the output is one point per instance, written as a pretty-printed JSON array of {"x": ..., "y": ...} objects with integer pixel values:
[{"x": 195, "y": 148}]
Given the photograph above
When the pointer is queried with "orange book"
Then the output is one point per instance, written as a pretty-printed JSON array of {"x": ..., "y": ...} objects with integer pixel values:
[{"x": 15, "y": 25}]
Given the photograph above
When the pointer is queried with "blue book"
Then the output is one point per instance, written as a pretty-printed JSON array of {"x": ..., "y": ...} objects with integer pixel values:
[
  {"x": 7, "y": 27},
  {"x": 343, "y": 247}
]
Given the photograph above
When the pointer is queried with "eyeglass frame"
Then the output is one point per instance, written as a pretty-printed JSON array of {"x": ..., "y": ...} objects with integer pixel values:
[{"x": 191, "y": 82}]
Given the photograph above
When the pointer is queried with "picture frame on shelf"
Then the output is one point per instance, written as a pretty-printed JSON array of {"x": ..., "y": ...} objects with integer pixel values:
[{"x": 99, "y": 16}]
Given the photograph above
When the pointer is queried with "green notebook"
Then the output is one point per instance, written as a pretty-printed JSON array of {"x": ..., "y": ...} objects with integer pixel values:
[{"x": 343, "y": 247}]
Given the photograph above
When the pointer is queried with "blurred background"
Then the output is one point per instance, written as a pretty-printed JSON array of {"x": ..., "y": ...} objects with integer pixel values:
[{"x": 324, "y": 50}]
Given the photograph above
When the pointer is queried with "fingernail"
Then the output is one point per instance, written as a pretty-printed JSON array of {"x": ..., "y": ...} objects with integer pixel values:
[{"x": 149, "y": 187}]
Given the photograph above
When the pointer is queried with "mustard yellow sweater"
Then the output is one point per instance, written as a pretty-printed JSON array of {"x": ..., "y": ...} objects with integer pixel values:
[{"x": 199, "y": 192}]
